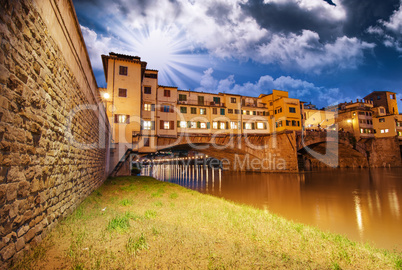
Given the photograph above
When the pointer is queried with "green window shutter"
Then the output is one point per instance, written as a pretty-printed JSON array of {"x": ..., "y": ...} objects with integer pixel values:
[
  {"x": 208, "y": 125},
  {"x": 239, "y": 125},
  {"x": 153, "y": 125},
  {"x": 227, "y": 125},
  {"x": 178, "y": 123},
  {"x": 188, "y": 124},
  {"x": 198, "y": 125},
  {"x": 252, "y": 125},
  {"x": 244, "y": 125}
]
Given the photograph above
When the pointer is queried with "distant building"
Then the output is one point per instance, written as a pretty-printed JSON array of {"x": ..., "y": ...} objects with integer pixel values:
[
  {"x": 385, "y": 99},
  {"x": 356, "y": 118}
]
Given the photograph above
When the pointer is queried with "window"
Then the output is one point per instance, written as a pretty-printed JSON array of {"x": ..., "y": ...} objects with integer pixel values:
[
  {"x": 392, "y": 96},
  {"x": 287, "y": 122},
  {"x": 166, "y": 124},
  {"x": 292, "y": 109},
  {"x": 217, "y": 100},
  {"x": 237, "y": 111},
  {"x": 233, "y": 100},
  {"x": 193, "y": 124},
  {"x": 278, "y": 124},
  {"x": 244, "y": 112},
  {"x": 378, "y": 97},
  {"x": 183, "y": 109},
  {"x": 203, "y": 111},
  {"x": 147, "y": 125},
  {"x": 386, "y": 130},
  {"x": 182, "y": 97},
  {"x": 381, "y": 120},
  {"x": 166, "y": 93},
  {"x": 146, "y": 142},
  {"x": 193, "y": 110},
  {"x": 215, "y": 125},
  {"x": 294, "y": 123},
  {"x": 166, "y": 108},
  {"x": 247, "y": 126},
  {"x": 147, "y": 90},
  {"x": 123, "y": 70},
  {"x": 399, "y": 124},
  {"x": 230, "y": 111},
  {"x": 122, "y": 92},
  {"x": 200, "y": 100},
  {"x": 147, "y": 107},
  {"x": 399, "y": 133},
  {"x": 121, "y": 118},
  {"x": 222, "y": 111},
  {"x": 151, "y": 75},
  {"x": 260, "y": 125},
  {"x": 270, "y": 104},
  {"x": 233, "y": 125},
  {"x": 183, "y": 124},
  {"x": 222, "y": 125},
  {"x": 214, "y": 110},
  {"x": 203, "y": 125}
]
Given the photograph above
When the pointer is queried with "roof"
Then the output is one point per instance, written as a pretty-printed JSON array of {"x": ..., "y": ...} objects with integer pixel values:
[
  {"x": 123, "y": 57},
  {"x": 379, "y": 92}
]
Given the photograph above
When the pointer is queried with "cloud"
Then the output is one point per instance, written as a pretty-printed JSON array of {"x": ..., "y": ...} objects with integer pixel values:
[
  {"x": 96, "y": 46},
  {"x": 303, "y": 90},
  {"x": 390, "y": 30},
  {"x": 306, "y": 53}
]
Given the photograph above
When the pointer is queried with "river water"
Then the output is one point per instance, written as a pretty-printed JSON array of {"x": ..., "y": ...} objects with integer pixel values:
[{"x": 363, "y": 204}]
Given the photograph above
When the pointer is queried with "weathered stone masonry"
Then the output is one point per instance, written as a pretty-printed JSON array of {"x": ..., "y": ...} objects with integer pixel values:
[{"x": 44, "y": 74}]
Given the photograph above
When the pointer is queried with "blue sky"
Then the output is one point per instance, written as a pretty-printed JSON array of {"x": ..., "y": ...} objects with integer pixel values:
[{"x": 320, "y": 51}]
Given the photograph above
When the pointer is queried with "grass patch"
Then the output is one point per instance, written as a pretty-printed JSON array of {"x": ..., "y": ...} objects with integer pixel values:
[
  {"x": 194, "y": 232},
  {"x": 133, "y": 245}
]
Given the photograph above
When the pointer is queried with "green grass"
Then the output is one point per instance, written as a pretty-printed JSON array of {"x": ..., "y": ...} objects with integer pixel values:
[{"x": 140, "y": 223}]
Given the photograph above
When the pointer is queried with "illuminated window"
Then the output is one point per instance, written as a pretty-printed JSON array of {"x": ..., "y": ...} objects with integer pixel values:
[
  {"x": 147, "y": 125},
  {"x": 233, "y": 125},
  {"x": 166, "y": 125},
  {"x": 183, "y": 124},
  {"x": 193, "y": 124},
  {"x": 223, "y": 125},
  {"x": 215, "y": 125},
  {"x": 244, "y": 112},
  {"x": 122, "y": 92},
  {"x": 386, "y": 130},
  {"x": 203, "y": 111},
  {"x": 123, "y": 70},
  {"x": 362, "y": 131},
  {"x": 203, "y": 125},
  {"x": 121, "y": 118},
  {"x": 260, "y": 125},
  {"x": 147, "y": 107},
  {"x": 247, "y": 126}
]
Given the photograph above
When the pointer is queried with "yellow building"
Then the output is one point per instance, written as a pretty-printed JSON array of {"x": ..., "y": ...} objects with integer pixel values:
[
  {"x": 316, "y": 119},
  {"x": 386, "y": 125},
  {"x": 385, "y": 99},
  {"x": 284, "y": 112},
  {"x": 144, "y": 111},
  {"x": 356, "y": 118}
]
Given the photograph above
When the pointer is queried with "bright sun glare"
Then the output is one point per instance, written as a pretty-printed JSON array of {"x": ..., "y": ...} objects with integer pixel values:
[{"x": 166, "y": 49}]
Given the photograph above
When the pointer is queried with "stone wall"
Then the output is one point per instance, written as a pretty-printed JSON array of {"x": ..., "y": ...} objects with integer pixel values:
[
  {"x": 384, "y": 152},
  {"x": 48, "y": 118}
]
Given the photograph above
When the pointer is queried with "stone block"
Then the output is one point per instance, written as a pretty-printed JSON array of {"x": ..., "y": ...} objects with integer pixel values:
[
  {"x": 8, "y": 251},
  {"x": 29, "y": 235},
  {"x": 12, "y": 191},
  {"x": 20, "y": 243},
  {"x": 22, "y": 230}
]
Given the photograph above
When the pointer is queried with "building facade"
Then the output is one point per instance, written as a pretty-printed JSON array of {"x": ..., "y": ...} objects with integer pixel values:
[{"x": 143, "y": 111}]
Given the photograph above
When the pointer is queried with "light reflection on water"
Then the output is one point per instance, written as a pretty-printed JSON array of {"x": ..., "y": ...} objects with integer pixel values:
[{"x": 363, "y": 204}]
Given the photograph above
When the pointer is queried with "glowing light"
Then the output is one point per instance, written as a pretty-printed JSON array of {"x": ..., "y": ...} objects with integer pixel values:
[
  {"x": 106, "y": 95},
  {"x": 349, "y": 121}
]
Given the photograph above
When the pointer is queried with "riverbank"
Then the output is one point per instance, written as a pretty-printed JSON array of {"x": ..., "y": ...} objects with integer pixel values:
[{"x": 139, "y": 222}]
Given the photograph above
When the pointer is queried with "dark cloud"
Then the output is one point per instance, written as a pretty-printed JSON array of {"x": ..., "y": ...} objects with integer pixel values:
[
  {"x": 362, "y": 14},
  {"x": 288, "y": 17},
  {"x": 220, "y": 12},
  {"x": 330, "y": 2}
]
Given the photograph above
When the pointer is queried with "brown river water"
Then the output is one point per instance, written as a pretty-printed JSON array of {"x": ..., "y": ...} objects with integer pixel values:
[{"x": 363, "y": 204}]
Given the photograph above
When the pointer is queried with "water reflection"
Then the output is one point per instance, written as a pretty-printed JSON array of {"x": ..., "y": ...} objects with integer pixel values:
[{"x": 363, "y": 204}]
